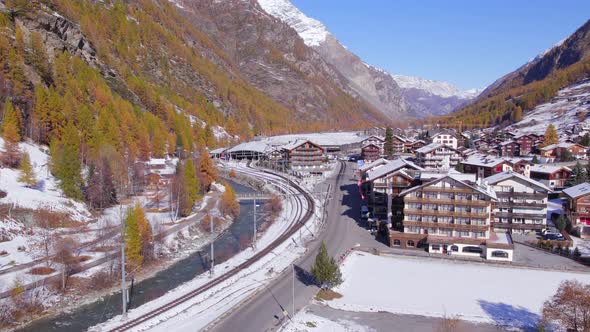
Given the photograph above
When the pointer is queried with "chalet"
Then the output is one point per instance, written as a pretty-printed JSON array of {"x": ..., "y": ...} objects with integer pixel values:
[
  {"x": 376, "y": 140},
  {"x": 412, "y": 146},
  {"x": 558, "y": 150},
  {"x": 436, "y": 155},
  {"x": 452, "y": 215},
  {"x": 553, "y": 177},
  {"x": 526, "y": 143},
  {"x": 485, "y": 165},
  {"x": 303, "y": 155},
  {"x": 509, "y": 149},
  {"x": 370, "y": 152},
  {"x": 446, "y": 138},
  {"x": 521, "y": 205},
  {"x": 369, "y": 166},
  {"x": 578, "y": 207},
  {"x": 398, "y": 144}
]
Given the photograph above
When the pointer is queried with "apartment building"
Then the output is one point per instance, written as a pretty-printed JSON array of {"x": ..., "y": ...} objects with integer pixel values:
[
  {"x": 370, "y": 152},
  {"x": 445, "y": 138},
  {"x": 436, "y": 155},
  {"x": 452, "y": 215},
  {"x": 304, "y": 155},
  {"x": 521, "y": 205}
]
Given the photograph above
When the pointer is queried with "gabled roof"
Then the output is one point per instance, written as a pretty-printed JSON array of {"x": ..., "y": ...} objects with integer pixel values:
[
  {"x": 297, "y": 143},
  {"x": 376, "y": 163},
  {"x": 370, "y": 144},
  {"x": 483, "y": 160},
  {"x": 391, "y": 167},
  {"x": 402, "y": 139},
  {"x": 564, "y": 145},
  {"x": 548, "y": 169},
  {"x": 499, "y": 177},
  {"x": 253, "y": 146},
  {"x": 578, "y": 191},
  {"x": 375, "y": 137},
  {"x": 484, "y": 190}
]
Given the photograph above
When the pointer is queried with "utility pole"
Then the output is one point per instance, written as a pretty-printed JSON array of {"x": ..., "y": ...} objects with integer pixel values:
[
  {"x": 212, "y": 269},
  {"x": 293, "y": 307},
  {"x": 254, "y": 238},
  {"x": 123, "y": 286}
]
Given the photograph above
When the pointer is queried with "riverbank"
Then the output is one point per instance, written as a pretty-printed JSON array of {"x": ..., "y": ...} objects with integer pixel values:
[{"x": 189, "y": 240}]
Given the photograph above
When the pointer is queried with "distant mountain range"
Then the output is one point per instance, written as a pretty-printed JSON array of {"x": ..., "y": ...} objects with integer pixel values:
[{"x": 393, "y": 95}]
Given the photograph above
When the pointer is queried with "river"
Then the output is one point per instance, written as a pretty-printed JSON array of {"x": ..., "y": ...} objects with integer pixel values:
[{"x": 227, "y": 245}]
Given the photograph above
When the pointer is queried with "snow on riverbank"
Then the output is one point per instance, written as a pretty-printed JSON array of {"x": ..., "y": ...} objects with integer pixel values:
[
  {"x": 205, "y": 308},
  {"x": 306, "y": 321},
  {"x": 504, "y": 296}
]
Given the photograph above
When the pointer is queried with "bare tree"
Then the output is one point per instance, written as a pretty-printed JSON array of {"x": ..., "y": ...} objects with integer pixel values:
[
  {"x": 449, "y": 324},
  {"x": 569, "y": 307},
  {"x": 67, "y": 256}
]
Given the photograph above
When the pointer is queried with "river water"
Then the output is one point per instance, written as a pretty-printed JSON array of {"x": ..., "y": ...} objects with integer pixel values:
[{"x": 227, "y": 244}]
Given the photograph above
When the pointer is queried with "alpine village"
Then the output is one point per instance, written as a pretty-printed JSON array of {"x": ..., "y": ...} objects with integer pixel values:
[{"x": 206, "y": 165}]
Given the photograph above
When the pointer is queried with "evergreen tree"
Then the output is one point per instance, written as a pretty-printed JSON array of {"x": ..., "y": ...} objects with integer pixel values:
[
  {"x": 67, "y": 167},
  {"x": 585, "y": 140},
  {"x": 388, "y": 145},
  {"x": 207, "y": 170},
  {"x": 101, "y": 192},
  {"x": 133, "y": 244},
  {"x": 535, "y": 159},
  {"x": 551, "y": 136},
  {"x": 27, "y": 174},
  {"x": 561, "y": 222},
  {"x": 11, "y": 136},
  {"x": 191, "y": 181},
  {"x": 325, "y": 270},
  {"x": 578, "y": 175}
]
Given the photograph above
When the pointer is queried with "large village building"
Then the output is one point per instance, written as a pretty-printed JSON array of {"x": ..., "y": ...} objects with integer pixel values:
[
  {"x": 559, "y": 150},
  {"x": 303, "y": 155},
  {"x": 578, "y": 207},
  {"x": 521, "y": 205},
  {"x": 452, "y": 215},
  {"x": 445, "y": 138},
  {"x": 485, "y": 165},
  {"x": 370, "y": 152},
  {"x": 436, "y": 155}
]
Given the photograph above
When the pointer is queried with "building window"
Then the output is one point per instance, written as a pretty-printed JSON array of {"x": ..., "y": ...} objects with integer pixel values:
[
  {"x": 397, "y": 243},
  {"x": 435, "y": 247},
  {"x": 454, "y": 248},
  {"x": 411, "y": 243},
  {"x": 472, "y": 250},
  {"x": 499, "y": 254}
]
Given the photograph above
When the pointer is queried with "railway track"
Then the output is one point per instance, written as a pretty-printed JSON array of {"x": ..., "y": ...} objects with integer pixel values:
[{"x": 300, "y": 196}]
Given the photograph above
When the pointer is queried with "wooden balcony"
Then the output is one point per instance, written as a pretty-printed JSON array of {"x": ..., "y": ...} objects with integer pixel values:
[
  {"x": 443, "y": 213},
  {"x": 448, "y": 189},
  {"x": 520, "y": 215},
  {"x": 519, "y": 195},
  {"x": 505, "y": 225},
  {"x": 507, "y": 205},
  {"x": 464, "y": 202},
  {"x": 460, "y": 227}
]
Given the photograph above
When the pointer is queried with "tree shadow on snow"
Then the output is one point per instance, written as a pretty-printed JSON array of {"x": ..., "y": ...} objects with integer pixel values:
[
  {"x": 507, "y": 315},
  {"x": 304, "y": 276}
]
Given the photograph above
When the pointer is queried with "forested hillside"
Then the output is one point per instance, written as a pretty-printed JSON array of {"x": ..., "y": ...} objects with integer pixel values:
[{"x": 536, "y": 82}]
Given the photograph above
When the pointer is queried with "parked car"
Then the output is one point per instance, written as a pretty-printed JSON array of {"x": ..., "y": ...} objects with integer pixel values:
[
  {"x": 365, "y": 214},
  {"x": 554, "y": 237},
  {"x": 550, "y": 231}
]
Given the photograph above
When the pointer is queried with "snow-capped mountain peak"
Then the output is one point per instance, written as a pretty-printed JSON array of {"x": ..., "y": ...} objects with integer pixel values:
[
  {"x": 312, "y": 31},
  {"x": 542, "y": 54},
  {"x": 437, "y": 88}
]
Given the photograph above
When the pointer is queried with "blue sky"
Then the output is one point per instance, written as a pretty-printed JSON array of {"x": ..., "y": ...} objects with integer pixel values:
[{"x": 467, "y": 43}]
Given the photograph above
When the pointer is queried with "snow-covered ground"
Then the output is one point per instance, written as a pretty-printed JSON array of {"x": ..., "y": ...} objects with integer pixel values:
[
  {"x": 205, "y": 308},
  {"x": 504, "y": 296},
  {"x": 307, "y": 322},
  {"x": 46, "y": 194},
  {"x": 562, "y": 111}
]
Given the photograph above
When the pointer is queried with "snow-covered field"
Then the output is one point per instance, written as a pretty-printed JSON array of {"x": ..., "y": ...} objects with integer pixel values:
[
  {"x": 561, "y": 111},
  {"x": 308, "y": 322},
  {"x": 504, "y": 296}
]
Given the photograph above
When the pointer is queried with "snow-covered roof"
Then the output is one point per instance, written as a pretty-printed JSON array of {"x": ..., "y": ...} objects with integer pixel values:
[
  {"x": 295, "y": 144},
  {"x": 376, "y": 163},
  {"x": 482, "y": 160},
  {"x": 429, "y": 147},
  {"x": 486, "y": 190},
  {"x": 499, "y": 177},
  {"x": 254, "y": 146},
  {"x": 374, "y": 137},
  {"x": 506, "y": 143},
  {"x": 564, "y": 145},
  {"x": 218, "y": 150},
  {"x": 578, "y": 190},
  {"x": 391, "y": 167},
  {"x": 156, "y": 162},
  {"x": 547, "y": 169}
]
